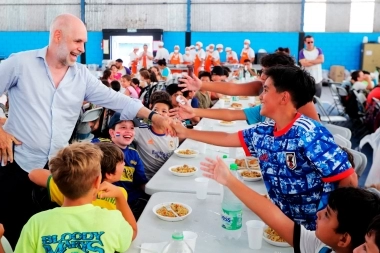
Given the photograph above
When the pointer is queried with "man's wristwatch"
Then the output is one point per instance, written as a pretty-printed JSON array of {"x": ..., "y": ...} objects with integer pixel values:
[{"x": 151, "y": 115}]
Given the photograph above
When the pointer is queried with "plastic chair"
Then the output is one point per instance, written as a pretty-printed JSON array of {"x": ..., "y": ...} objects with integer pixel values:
[
  {"x": 341, "y": 141},
  {"x": 343, "y": 131},
  {"x": 326, "y": 117},
  {"x": 336, "y": 95},
  {"x": 92, "y": 114},
  {"x": 360, "y": 161},
  {"x": 372, "y": 139},
  {"x": 6, "y": 245}
]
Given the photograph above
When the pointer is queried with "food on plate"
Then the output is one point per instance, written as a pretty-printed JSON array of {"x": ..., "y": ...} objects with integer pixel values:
[
  {"x": 241, "y": 163},
  {"x": 251, "y": 174},
  {"x": 272, "y": 235},
  {"x": 186, "y": 152},
  {"x": 253, "y": 163},
  {"x": 226, "y": 122},
  {"x": 183, "y": 169},
  {"x": 236, "y": 105},
  {"x": 179, "y": 209}
]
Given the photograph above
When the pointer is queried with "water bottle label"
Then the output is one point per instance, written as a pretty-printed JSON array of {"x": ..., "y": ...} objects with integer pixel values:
[{"x": 232, "y": 220}]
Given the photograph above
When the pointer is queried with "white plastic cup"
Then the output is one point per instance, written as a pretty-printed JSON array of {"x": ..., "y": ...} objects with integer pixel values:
[
  {"x": 221, "y": 103},
  {"x": 201, "y": 146},
  {"x": 255, "y": 229},
  {"x": 201, "y": 187},
  {"x": 190, "y": 238}
]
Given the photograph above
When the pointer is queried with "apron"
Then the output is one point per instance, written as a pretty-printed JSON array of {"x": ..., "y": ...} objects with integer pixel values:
[
  {"x": 197, "y": 64},
  {"x": 175, "y": 60},
  {"x": 134, "y": 66},
  {"x": 208, "y": 63},
  {"x": 244, "y": 57},
  {"x": 231, "y": 59}
]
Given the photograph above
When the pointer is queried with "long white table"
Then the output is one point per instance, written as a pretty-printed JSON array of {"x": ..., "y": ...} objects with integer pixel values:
[
  {"x": 165, "y": 181},
  {"x": 204, "y": 220}
]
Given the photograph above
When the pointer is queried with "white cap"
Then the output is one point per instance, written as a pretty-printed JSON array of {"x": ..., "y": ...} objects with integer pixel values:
[
  {"x": 247, "y": 41},
  {"x": 136, "y": 47},
  {"x": 228, "y": 49},
  {"x": 199, "y": 44},
  {"x": 187, "y": 48},
  {"x": 160, "y": 44},
  {"x": 211, "y": 45},
  {"x": 219, "y": 46},
  {"x": 192, "y": 47},
  {"x": 176, "y": 46}
]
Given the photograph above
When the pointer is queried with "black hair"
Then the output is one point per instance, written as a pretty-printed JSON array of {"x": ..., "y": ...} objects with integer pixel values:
[
  {"x": 163, "y": 101},
  {"x": 247, "y": 60},
  {"x": 228, "y": 69},
  {"x": 374, "y": 229},
  {"x": 271, "y": 60},
  {"x": 366, "y": 72},
  {"x": 307, "y": 37},
  {"x": 355, "y": 75},
  {"x": 106, "y": 74},
  {"x": 355, "y": 208},
  {"x": 161, "y": 62},
  {"x": 119, "y": 60},
  {"x": 173, "y": 88},
  {"x": 298, "y": 82},
  {"x": 106, "y": 83},
  {"x": 112, "y": 155},
  {"x": 115, "y": 85},
  {"x": 153, "y": 77},
  {"x": 225, "y": 72},
  {"x": 204, "y": 73},
  {"x": 159, "y": 95},
  {"x": 135, "y": 81},
  {"x": 283, "y": 50}
]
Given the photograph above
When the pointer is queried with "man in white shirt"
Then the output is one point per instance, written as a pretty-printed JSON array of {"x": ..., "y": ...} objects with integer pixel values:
[
  {"x": 247, "y": 52},
  {"x": 231, "y": 56},
  {"x": 146, "y": 58},
  {"x": 193, "y": 52},
  {"x": 311, "y": 58},
  {"x": 162, "y": 53},
  {"x": 187, "y": 57},
  {"x": 216, "y": 55}
]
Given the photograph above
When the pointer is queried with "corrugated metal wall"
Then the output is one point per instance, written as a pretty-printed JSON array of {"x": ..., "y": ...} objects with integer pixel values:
[{"x": 171, "y": 15}]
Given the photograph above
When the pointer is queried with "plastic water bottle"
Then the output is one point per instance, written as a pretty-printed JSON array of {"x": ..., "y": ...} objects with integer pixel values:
[
  {"x": 177, "y": 245},
  {"x": 232, "y": 211}
]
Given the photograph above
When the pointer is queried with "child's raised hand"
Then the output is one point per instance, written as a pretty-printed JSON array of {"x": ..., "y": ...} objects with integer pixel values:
[
  {"x": 217, "y": 170},
  {"x": 108, "y": 190}
]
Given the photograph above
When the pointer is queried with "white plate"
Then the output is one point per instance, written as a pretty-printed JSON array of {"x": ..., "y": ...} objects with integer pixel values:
[
  {"x": 278, "y": 244},
  {"x": 186, "y": 156},
  {"x": 156, "y": 207},
  {"x": 252, "y": 179},
  {"x": 183, "y": 174},
  {"x": 227, "y": 125}
]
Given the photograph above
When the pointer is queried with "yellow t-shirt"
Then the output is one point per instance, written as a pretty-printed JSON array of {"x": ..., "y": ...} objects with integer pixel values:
[{"x": 57, "y": 197}]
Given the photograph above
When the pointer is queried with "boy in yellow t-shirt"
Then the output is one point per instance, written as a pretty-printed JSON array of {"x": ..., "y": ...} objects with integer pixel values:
[
  {"x": 112, "y": 166},
  {"x": 79, "y": 226}
]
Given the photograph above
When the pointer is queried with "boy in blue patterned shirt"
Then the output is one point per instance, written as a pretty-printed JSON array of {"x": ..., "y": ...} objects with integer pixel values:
[{"x": 300, "y": 162}]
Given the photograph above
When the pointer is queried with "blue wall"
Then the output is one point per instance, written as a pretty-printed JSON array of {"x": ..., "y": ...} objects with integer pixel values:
[{"x": 338, "y": 48}]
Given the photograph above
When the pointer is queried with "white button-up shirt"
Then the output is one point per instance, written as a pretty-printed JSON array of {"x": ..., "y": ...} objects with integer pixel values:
[{"x": 42, "y": 116}]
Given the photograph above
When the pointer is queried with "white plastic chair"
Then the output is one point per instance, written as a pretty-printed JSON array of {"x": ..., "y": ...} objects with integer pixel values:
[
  {"x": 325, "y": 117},
  {"x": 360, "y": 161},
  {"x": 6, "y": 245},
  {"x": 374, "y": 173},
  {"x": 373, "y": 140},
  {"x": 341, "y": 141},
  {"x": 343, "y": 131}
]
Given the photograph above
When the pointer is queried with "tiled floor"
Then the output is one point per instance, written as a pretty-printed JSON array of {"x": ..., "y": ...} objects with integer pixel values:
[{"x": 367, "y": 150}]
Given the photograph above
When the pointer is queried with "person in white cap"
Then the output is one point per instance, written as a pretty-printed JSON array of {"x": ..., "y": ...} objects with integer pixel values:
[
  {"x": 146, "y": 58},
  {"x": 193, "y": 52},
  {"x": 216, "y": 55},
  {"x": 247, "y": 52},
  {"x": 134, "y": 59},
  {"x": 176, "y": 58},
  {"x": 187, "y": 57},
  {"x": 162, "y": 53},
  {"x": 199, "y": 58},
  {"x": 231, "y": 56}
]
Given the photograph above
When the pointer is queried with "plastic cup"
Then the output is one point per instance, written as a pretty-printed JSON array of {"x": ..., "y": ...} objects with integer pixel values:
[
  {"x": 201, "y": 146},
  {"x": 201, "y": 187},
  {"x": 221, "y": 103},
  {"x": 190, "y": 238},
  {"x": 255, "y": 229}
]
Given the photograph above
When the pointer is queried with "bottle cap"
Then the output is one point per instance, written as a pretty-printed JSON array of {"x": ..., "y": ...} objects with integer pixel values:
[
  {"x": 233, "y": 166},
  {"x": 225, "y": 156},
  {"x": 177, "y": 236}
]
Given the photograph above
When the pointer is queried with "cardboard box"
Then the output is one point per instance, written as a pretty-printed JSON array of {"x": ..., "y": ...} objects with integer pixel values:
[{"x": 337, "y": 73}]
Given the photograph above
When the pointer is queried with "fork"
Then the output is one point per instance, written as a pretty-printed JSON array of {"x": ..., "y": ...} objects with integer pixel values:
[{"x": 169, "y": 208}]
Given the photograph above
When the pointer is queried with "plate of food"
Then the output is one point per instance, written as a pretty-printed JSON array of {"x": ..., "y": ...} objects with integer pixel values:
[
  {"x": 172, "y": 211},
  {"x": 183, "y": 170},
  {"x": 236, "y": 106},
  {"x": 250, "y": 175},
  {"x": 241, "y": 163},
  {"x": 226, "y": 123},
  {"x": 271, "y": 237},
  {"x": 243, "y": 97},
  {"x": 186, "y": 153},
  {"x": 253, "y": 163}
]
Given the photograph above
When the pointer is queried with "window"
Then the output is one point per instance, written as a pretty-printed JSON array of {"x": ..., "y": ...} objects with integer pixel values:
[
  {"x": 362, "y": 15},
  {"x": 314, "y": 16}
]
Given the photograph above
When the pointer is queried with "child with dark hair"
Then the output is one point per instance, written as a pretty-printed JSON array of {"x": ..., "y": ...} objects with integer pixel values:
[
  {"x": 153, "y": 145},
  {"x": 106, "y": 75},
  {"x": 115, "y": 85},
  {"x": 300, "y": 162},
  {"x": 135, "y": 83},
  {"x": 372, "y": 238},
  {"x": 158, "y": 95},
  {"x": 164, "y": 70}
]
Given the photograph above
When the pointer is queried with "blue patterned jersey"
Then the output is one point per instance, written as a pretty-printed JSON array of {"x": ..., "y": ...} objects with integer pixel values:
[{"x": 301, "y": 165}]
